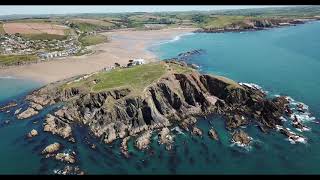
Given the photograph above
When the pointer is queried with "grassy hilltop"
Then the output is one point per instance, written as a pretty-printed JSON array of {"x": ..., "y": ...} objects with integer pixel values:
[{"x": 135, "y": 78}]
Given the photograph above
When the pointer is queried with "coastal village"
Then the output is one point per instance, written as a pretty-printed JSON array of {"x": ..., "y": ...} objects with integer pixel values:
[{"x": 15, "y": 44}]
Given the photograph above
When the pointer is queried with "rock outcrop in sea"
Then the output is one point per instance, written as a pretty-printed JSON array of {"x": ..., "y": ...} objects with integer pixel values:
[{"x": 177, "y": 98}]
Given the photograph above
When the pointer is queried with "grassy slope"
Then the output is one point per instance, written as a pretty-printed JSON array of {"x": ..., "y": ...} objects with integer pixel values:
[
  {"x": 221, "y": 21},
  {"x": 136, "y": 78},
  {"x": 44, "y": 36},
  {"x": 92, "y": 26},
  {"x": 93, "y": 39},
  {"x": 8, "y": 60}
]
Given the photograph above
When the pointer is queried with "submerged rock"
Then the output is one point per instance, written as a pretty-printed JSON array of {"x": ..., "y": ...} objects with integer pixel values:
[
  {"x": 52, "y": 148},
  {"x": 9, "y": 105},
  {"x": 143, "y": 141},
  {"x": 213, "y": 134},
  {"x": 196, "y": 131},
  {"x": 27, "y": 113},
  {"x": 32, "y": 133},
  {"x": 241, "y": 137}
]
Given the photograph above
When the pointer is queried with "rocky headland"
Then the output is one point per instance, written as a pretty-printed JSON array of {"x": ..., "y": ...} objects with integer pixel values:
[
  {"x": 257, "y": 24},
  {"x": 175, "y": 97}
]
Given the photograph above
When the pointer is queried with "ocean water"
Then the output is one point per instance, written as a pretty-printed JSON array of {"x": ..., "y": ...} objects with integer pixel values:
[{"x": 283, "y": 61}]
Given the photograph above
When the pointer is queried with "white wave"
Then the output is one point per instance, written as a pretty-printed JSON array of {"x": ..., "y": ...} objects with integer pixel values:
[
  {"x": 253, "y": 86},
  {"x": 177, "y": 129},
  {"x": 176, "y": 38}
]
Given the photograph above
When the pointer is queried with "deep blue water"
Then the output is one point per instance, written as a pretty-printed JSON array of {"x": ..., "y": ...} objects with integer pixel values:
[{"x": 283, "y": 61}]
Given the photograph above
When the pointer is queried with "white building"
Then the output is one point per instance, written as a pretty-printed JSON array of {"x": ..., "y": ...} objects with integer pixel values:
[{"x": 138, "y": 61}]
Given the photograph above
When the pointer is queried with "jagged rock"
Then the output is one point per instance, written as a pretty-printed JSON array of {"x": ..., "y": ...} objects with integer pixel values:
[
  {"x": 175, "y": 98},
  {"x": 93, "y": 146},
  {"x": 236, "y": 121},
  {"x": 188, "y": 122},
  {"x": 57, "y": 126},
  {"x": 27, "y": 113},
  {"x": 65, "y": 157},
  {"x": 36, "y": 106},
  {"x": 70, "y": 170},
  {"x": 213, "y": 134},
  {"x": 196, "y": 131},
  {"x": 52, "y": 148},
  {"x": 124, "y": 146},
  {"x": 165, "y": 137},
  {"x": 143, "y": 141},
  {"x": 32, "y": 133},
  {"x": 241, "y": 137},
  {"x": 9, "y": 105}
]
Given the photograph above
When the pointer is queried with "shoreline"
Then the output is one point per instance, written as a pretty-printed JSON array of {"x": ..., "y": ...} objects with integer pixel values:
[{"x": 124, "y": 45}]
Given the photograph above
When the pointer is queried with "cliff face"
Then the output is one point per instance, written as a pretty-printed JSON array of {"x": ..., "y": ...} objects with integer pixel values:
[{"x": 174, "y": 99}]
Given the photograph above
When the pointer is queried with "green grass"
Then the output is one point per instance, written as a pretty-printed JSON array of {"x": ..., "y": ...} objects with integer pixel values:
[
  {"x": 93, "y": 39},
  {"x": 92, "y": 26},
  {"x": 136, "y": 78},
  {"x": 231, "y": 84},
  {"x": 44, "y": 36},
  {"x": 180, "y": 69},
  {"x": 221, "y": 21},
  {"x": 8, "y": 60}
]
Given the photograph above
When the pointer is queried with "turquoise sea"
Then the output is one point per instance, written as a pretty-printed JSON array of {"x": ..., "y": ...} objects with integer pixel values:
[{"x": 283, "y": 61}]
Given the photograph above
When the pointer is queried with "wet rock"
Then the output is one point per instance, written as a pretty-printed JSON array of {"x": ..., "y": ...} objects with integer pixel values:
[
  {"x": 124, "y": 146},
  {"x": 143, "y": 141},
  {"x": 93, "y": 146},
  {"x": 213, "y": 134},
  {"x": 32, "y": 133},
  {"x": 188, "y": 122},
  {"x": 65, "y": 157},
  {"x": 241, "y": 137},
  {"x": 9, "y": 105},
  {"x": 6, "y": 121},
  {"x": 70, "y": 170},
  {"x": 27, "y": 113},
  {"x": 57, "y": 126},
  {"x": 166, "y": 138},
  {"x": 36, "y": 106},
  {"x": 236, "y": 121},
  {"x": 196, "y": 131},
  {"x": 52, "y": 148}
]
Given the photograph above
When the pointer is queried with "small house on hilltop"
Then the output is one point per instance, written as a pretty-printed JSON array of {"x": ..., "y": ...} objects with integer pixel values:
[{"x": 138, "y": 61}]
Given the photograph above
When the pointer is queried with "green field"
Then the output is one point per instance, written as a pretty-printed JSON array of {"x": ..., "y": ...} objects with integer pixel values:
[
  {"x": 221, "y": 21},
  {"x": 89, "y": 40},
  {"x": 44, "y": 36},
  {"x": 8, "y": 60},
  {"x": 136, "y": 78},
  {"x": 92, "y": 25}
]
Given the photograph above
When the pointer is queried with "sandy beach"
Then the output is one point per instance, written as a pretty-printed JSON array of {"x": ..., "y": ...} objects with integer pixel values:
[{"x": 124, "y": 45}]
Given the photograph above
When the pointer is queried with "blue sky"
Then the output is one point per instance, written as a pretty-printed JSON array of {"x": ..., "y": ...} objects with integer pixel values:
[{"x": 8, "y": 10}]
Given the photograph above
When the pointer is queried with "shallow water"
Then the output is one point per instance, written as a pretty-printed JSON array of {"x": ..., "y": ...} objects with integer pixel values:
[{"x": 283, "y": 61}]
